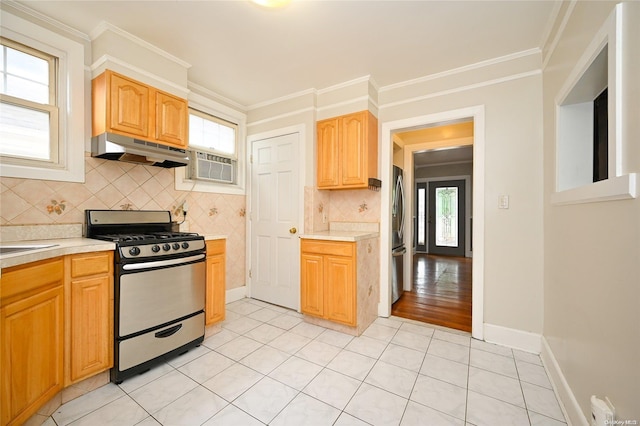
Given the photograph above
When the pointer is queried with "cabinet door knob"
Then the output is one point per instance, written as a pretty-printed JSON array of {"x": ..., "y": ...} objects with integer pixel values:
[{"x": 293, "y": 230}]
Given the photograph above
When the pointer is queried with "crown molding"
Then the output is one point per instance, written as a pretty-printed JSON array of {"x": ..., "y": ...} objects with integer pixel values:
[
  {"x": 53, "y": 22},
  {"x": 463, "y": 88},
  {"x": 108, "y": 58},
  {"x": 198, "y": 89},
  {"x": 106, "y": 26},
  {"x": 454, "y": 71}
]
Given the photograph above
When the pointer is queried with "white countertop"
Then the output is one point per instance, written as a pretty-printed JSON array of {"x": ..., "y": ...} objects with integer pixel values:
[
  {"x": 60, "y": 247},
  {"x": 340, "y": 235}
]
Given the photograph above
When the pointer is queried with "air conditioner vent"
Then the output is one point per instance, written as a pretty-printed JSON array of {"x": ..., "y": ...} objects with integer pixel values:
[{"x": 212, "y": 167}]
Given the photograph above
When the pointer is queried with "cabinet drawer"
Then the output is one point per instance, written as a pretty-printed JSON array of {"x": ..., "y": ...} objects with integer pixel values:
[
  {"x": 19, "y": 281},
  {"x": 91, "y": 264},
  {"x": 328, "y": 247},
  {"x": 215, "y": 247}
]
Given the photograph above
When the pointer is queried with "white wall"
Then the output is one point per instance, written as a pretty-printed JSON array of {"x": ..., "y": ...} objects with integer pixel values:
[{"x": 592, "y": 251}]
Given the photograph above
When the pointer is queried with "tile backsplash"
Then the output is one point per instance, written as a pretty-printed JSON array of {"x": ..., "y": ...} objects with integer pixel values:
[
  {"x": 125, "y": 186},
  {"x": 346, "y": 205}
]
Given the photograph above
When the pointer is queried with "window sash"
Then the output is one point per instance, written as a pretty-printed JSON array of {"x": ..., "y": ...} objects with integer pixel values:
[
  {"x": 204, "y": 142},
  {"x": 15, "y": 139}
]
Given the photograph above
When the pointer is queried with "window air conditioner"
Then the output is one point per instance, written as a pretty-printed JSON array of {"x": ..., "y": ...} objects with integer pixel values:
[{"x": 213, "y": 167}]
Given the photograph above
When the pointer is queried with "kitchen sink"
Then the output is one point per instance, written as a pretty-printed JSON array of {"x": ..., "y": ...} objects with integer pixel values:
[{"x": 14, "y": 248}]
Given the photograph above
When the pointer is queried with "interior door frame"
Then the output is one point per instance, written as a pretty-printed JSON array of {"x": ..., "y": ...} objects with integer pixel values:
[
  {"x": 467, "y": 207},
  {"x": 301, "y": 131},
  {"x": 477, "y": 114}
]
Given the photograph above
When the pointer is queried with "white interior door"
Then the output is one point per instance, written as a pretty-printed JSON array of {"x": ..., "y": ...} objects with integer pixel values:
[{"x": 275, "y": 259}]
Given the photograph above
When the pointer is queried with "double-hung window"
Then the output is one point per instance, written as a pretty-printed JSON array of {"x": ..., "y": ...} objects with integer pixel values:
[
  {"x": 28, "y": 104},
  {"x": 42, "y": 101},
  {"x": 212, "y": 133}
]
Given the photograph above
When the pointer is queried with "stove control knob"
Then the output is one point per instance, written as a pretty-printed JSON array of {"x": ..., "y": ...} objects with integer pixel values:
[
  {"x": 166, "y": 247},
  {"x": 134, "y": 251},
  {"x": 185, "y": 245},
  {"x": 155, "y": 248},
  {"x": 176, "y": 246}
]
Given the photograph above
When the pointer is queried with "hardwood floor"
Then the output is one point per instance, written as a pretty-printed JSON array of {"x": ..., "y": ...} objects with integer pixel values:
[{"x": 441, "y": 292}]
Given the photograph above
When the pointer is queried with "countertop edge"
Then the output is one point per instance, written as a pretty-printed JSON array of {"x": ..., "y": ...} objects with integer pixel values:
[
  {"x": 61, "y": 247},
  {"x": 340, "y": 236}
]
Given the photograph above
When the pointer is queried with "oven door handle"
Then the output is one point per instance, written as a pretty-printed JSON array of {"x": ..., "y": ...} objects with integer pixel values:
[{"x": 160, "y": 263}]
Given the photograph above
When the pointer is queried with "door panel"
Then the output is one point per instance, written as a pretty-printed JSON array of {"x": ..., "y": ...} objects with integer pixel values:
[
  {"x": 421, "y": 217},
  {"x": 446, "y": 218},
  {"x": 275, "y": 262}
]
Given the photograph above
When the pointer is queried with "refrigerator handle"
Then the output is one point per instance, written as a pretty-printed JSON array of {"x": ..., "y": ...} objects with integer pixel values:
[
  {"x": 401, "y": 202},
  {"x": 399, "y": 252}
]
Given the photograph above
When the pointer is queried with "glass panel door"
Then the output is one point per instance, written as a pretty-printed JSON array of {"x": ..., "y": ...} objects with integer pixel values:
[
  {"x": 421, "y": 217},
  {"x": 446, "y": 217}
]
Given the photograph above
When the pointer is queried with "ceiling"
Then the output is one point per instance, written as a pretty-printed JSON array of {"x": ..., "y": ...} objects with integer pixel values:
[{"x": 251, "y": 55}]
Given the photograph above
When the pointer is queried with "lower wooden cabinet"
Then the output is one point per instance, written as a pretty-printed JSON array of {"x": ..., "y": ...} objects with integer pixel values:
[
  {"x": 328, "y": 280},
  {"x": 32, "y": 336},
  {"x": 89, "y": 304},
  {"x": 216, "y": 282}
]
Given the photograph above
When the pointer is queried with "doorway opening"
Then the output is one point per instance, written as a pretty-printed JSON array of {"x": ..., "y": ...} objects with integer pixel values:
[{"x": 439, "y": 289}]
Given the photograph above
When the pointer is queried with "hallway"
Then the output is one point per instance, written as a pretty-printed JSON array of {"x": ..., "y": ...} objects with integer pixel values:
[{"x": 441, "y": 292}]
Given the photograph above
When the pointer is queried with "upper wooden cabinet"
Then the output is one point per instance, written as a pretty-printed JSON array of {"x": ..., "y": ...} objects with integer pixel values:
[
  {"x": 128, "y": 107},
  {"x": 347, "y": 151}
]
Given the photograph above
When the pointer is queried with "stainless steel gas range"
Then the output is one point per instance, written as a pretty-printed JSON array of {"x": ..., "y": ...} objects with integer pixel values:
[{"x": 159, "y": 287}]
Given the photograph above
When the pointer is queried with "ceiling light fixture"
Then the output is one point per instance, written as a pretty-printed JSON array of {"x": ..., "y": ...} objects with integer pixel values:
[{"x": 274, "y": 4}]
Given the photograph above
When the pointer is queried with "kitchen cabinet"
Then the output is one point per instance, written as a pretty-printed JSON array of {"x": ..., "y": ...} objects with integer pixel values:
[
  {"x": 216, "y": 287},
  {"x": 32, "y": 324},
  {"x": 347, "y": 151},
  {"x": 128, "y": 107},
  {"x": 89, "y": 305},
  {"x": 328, "y": 280}
]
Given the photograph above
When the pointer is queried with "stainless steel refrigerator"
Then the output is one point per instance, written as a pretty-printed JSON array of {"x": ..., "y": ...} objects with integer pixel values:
[{"x": 398, "y": 249}]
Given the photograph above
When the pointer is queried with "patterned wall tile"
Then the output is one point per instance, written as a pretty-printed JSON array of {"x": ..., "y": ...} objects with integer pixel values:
[{"x": 114, "y": 185}]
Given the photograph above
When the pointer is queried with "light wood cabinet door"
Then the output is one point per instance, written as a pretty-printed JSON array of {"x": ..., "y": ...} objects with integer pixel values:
[
  {"x": 172, "y": 120},
  {"x": 122, "y": 105},
  {"x": 312, "y": 288},
  {"x": 328, "y": 160},
  {"x": 328, "y": 280},
  {"x": 347, "y": 154},
  {"x": 32, "y": 333},
  {"x": 129, "y": 106},
  {"x": 215, "y": 292},
  {"x": 354, "y": 149},
  {"x": 340, "y": 290},
  {"x": 89, "y": 300}
]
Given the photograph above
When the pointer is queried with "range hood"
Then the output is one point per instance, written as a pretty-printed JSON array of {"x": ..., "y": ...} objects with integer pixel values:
[{"x": 112, "y": 146}]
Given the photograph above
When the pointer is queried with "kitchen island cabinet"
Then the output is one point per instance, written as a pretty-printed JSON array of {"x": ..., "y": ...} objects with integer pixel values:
[
  {"x": 347, "y": 154},
  {"x": 128, "y": 107},
  {"x": 339, "y": 283},
  {"x": 89, "y": 309},
  {"x": 216, "y": 287},
  {"x": 32, "y": 324}
]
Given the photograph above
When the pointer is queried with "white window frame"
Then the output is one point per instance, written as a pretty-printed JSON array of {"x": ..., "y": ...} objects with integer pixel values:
[
  {"x": 574, "y": 116},
  {"x": 209, "y": 106},
  {"x": 70, "y": 101},
  {"x": 215, "y": 119}
]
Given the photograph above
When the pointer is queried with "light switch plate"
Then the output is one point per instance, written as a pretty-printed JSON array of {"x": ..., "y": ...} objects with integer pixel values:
[{"x": 503, "y": 202}]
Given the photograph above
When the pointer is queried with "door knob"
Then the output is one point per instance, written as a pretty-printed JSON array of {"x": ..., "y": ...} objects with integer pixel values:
[{"x": 293, "y": 230}]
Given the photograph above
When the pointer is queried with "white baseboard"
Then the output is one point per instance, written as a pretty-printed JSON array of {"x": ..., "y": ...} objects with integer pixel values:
[
  {"x": 568, "y": 402},
  {"x": 517, "y": 339},
  {"x": 236, "y": 294}
]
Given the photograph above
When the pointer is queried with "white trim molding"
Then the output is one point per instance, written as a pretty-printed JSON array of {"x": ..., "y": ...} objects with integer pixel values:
[
  {"x": 235, "y": 294},
  {"x": 568, "y": 402},
  {"x": 513, "y": 338},
  {"x": 476, "y": 113}
]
